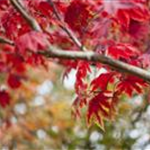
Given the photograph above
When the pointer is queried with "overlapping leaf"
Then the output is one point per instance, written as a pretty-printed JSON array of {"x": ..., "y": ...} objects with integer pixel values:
[
  {"x": 82, "y": 70},
  {"x": 131, "y": 84},
  {"x": 123, "y": 51},
  {"x": 78, "y": 15},
  {"x": 32, "y": 41},
  {"x": 99, "y": 109},
  {"x": 102, "y": 81}
]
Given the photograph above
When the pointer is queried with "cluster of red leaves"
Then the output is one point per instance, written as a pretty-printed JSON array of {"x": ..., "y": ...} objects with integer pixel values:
[
  {"x": 78, "y": 15},
  {"x": 118, "y": 29}
]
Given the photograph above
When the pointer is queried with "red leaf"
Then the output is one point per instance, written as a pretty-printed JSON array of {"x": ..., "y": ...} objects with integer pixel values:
[
  {"x": 14, "y": 81},
  {"x": 4, "y": 98},
  {"x": 131, "y": 84},
  {"x": 77, "y": 105},
  {"x": 82, "y": 70},
  {"x": 32, "y": 41},
  {"x": 122, "y": 51},
  {"x": 4, "y": 4},
  {"x": 77, "y": 15},
  {"x": 101, "y": 81},
  {"x": 123, "y": 17},
  {"x": 138, "y": 30},
  {"x": 99, "y": 109},
  {"x": 139, "y": 13},
  {"x": 45, "y": 8},
  {"x": 16, "y": 62},
  {"x": 36, "y": 59}
]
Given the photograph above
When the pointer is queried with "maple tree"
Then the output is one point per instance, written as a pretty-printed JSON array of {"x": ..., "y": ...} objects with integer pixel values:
[{"x": 78, "y": 34}]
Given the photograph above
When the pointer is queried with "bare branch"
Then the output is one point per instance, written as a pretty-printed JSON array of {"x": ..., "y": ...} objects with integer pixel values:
[
  {"x": 91, "y": 56},
  {"x": 66, "y": 29},
  {"x": 33, "y": 23},
  {"x": 6, "y": 41}
]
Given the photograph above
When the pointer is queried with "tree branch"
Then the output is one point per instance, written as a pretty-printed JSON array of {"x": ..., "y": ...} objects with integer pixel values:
[
  {"x": 6, "y": 41},
  {"x": 91, "y": 56},
  {"x": 64, "y": 27},
  {"x": 32, "y": 22},
  {"x": 94, "y": 57}
]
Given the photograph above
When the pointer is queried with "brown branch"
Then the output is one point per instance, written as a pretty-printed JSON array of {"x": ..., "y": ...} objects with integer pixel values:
[
  {"x": 6, "y": 41},
  {"x": 35, "y": 26},
  {"x": 91, "y": 56},
  {"x": 32, "y": 22},
  {"x": 65, "y": 28},
  {"x": 94, "y": 57}
]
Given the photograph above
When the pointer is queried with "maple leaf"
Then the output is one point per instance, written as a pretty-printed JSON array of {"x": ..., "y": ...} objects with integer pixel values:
[
  {"x": 32, "y": 41},
  {"x": 102, "y": 81},
  {"x": 138, "y": 29},
  {"x": 78, "y": 15},
  {"x": 99, "y": 109},
  {"x": 78, "y": 103},
  {"x": 82, "y": 70},
  {"x": 100, "y": 28},
  {"x": 122, "y": 51},
  {"x": 139, "y": 14},
  {"x": 12, "y": 21},
  {"x": 4, "y": 98},
  {"x": 16, "y": 62},
  {"x": 36, "y": 60},
  {"x": 131, "y": 84},
  {"x": 45, "y": 8}
]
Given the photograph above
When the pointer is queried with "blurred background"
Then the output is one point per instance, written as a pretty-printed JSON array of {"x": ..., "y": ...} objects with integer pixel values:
[{"x": 39, "y": 118}]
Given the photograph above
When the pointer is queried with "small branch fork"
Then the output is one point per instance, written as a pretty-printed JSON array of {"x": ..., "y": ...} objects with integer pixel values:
[
  {"x": 52, "y": 52},
  {"x": 64, "y": 27}
]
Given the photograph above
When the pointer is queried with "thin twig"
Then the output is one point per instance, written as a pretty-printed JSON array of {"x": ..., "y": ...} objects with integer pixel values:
[
  {"x": 91, "y": 56},
  {"x": 32, "y": 22},
  {"x": 6, "y": 41},
  {"x": 65, "y": 28}
]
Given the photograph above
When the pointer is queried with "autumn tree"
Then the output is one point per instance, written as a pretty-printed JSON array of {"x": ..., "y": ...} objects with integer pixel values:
[{"x": 84, "y": 35}]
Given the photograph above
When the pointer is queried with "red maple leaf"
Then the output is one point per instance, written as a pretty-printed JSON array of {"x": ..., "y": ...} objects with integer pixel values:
[
  {"x": 78, "y": 103},
  {"x": 102, "y": 81},
  {"x": 82, "y": 70},
  {"x": 138, "y": 29},
  {"x": 78, "y": 15},
  {"x": 139, "y": 14},
  {"x": 45, "y": 8},
  {"x": 99, "y": 109},
  {"x": 122, "y": 51},
  {"x": 16, "y": 62},
  {"x": 131, "y": 84},
  {"x": 32, "y": 41}
]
